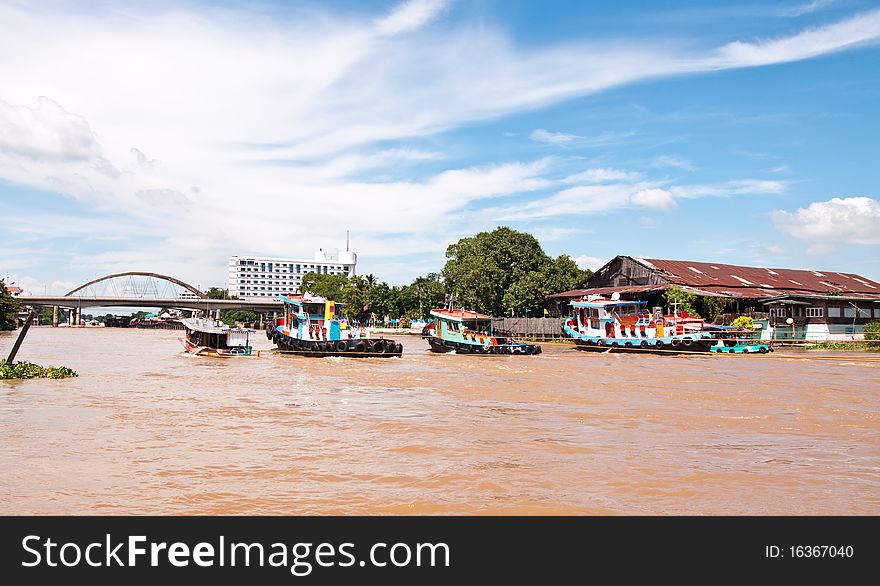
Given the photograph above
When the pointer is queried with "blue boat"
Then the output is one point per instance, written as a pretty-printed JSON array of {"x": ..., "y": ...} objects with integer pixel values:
[
  {"x": 469, "y": 332},
  {"x": 612, "y": 325},
  {"x": 313, "y": 326}
]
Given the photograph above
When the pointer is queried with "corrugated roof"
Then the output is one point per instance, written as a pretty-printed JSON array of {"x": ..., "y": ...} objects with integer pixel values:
[
  {"x": 608, "y": 291},
  {"x": 763, "y": 280}
]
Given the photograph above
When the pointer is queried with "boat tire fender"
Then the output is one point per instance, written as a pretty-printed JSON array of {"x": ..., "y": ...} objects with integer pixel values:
[
  {"x": 378, "y": 347},
  {"x": 360, "y": 347},
  {"x": 341, "y": 346}
]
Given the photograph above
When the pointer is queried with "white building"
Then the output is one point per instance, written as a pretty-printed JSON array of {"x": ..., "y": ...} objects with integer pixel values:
[{"x": 253, "y": 277}]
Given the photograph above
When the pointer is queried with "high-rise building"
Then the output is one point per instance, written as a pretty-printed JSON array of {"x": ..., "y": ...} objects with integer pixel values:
[{"x": 252, "y": 277}]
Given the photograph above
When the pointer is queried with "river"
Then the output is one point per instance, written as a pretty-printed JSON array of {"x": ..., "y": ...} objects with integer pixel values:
[{"x": 146, "y": 429}]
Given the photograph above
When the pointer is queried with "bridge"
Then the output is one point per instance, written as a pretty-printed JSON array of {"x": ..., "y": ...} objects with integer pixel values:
[{"x": 142, "y": 289}]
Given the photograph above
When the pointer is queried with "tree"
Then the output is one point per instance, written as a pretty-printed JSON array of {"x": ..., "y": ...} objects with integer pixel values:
[
  {"x": 481, "y": 269},
  {"x": 9, "y": 307},
  {"x": 329, "y": 286},
  {"x": 217, "y": 293},
  {"x": 744, "y": 322},
  {"x": 234, "y": 316},
  {"x": 685, "y": 300},
  {"x": 422, "y": 295}
]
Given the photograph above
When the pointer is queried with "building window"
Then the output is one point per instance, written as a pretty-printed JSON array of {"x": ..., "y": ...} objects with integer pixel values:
[
  {"x": 833, "y": 311},
  {"x": 849, "y": 312},
  {"x": 877, "y": 312},
  {"x": 778, "y": 311},
  {"x": 864, "y": 312},
  {"x": 815, "y": 312}
]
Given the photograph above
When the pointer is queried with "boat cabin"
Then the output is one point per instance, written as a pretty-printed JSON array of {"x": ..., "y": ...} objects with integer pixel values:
[{"x": 310, "y": 317}]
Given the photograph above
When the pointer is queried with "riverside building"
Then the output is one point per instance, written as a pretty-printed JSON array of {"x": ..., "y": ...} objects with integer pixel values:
[{"x": 252, "y": 277}]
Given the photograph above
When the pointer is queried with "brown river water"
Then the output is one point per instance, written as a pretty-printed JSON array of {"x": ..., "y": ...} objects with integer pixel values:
[{"x": 146, "y": 429}]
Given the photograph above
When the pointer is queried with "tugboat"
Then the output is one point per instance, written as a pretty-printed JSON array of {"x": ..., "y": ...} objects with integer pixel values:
[
  {"x": 469, "y": 332},
  {"x": 612, "y": 325},
  {"x": 311, "y": 326},
  {"x": 208, "y": 337}
]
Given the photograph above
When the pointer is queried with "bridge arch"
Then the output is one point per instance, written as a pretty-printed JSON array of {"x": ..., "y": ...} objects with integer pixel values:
[{"x": 177, "y": 282}]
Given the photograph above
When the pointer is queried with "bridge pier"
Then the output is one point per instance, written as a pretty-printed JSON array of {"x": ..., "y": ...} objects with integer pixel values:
[{"x": 54, "y": 316}]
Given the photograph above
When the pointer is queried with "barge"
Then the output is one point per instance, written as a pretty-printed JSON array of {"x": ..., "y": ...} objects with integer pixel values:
[{"x": 208, "y": 337}]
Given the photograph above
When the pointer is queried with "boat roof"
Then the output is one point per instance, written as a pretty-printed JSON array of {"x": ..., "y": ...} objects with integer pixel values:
[
  {"x": 209, "y": 326},
  {"x": 304, "y": 298},
  {"x": 459, "y": 314},
  {"x": 601, "y": 302}
]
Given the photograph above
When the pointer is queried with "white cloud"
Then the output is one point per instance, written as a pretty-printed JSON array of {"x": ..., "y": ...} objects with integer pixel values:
[
  {"x": 808, "y": 8},
  {"x": 656, "y": 199},
  {"x": 602, "y": 175},
  {"x": 542, "y": 135},
  {"x": 284, "y": 113},
  {"x": 589, "y": 262},
  {"x": 729, "y": 188},
  {"x": 825, "y": 225},
  {"x": 858, "y": 30},
  {"x": 675, "y": 162},
  {"x": 45, "y": 131},
  {"x": 409, "y": 16}
]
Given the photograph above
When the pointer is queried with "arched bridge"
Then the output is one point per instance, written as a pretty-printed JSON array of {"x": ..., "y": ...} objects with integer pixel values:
[
  {"x": 151, "y": 285},
  {"x": 143, "y": 289}
]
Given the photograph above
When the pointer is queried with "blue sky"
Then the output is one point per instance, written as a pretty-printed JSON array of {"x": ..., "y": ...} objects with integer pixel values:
[{"x": 166, "y": 137}]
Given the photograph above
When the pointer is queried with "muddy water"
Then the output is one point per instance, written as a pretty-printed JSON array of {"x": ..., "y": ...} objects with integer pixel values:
[{"x": 146, "y": 429}]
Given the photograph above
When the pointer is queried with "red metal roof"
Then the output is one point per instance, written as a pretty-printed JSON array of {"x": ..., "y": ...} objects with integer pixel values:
[
  {"x": 773, "y": 281},
  {"x": 725, "y": 280},
  {"x": 459, "y": 314},
  {"x": 608, "y": 291}
]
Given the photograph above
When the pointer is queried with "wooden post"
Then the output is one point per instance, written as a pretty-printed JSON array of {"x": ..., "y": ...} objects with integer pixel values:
[{"x": 21, "y": 335}]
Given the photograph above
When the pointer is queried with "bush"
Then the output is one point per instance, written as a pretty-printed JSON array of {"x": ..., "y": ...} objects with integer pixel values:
[
  {"x": 872, "y": 330},
  {"x": 23, "y": 370},
  {"x": 744, "y": 322}
]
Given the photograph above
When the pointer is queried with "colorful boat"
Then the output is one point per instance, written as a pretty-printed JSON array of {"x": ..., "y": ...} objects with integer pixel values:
[
  {"x": 208, "y": 337},
  {"x": 469, "y": 332},
  {"x": 603, "y": 325},
  {"x": 313, "y": 326}
]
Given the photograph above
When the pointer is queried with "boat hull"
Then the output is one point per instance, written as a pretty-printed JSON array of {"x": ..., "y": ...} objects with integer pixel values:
[
  {"x": 683, "y": 346},
  {"x": 354, "y": 347},
  {"x": 195, "y": 350},
  {"x": 442, "y": 346}
]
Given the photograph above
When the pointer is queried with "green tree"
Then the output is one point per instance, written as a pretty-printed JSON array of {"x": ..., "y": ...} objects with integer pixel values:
[
  {"x": 217, "y": 293},
  {"x": 9, "y": 307},
  {"x": 481, "y": 269},
  {"x": 744, "y": 322},
  {"x": 712, "y": 307},
  {"x": 234, "y": 316},
  {"x": 685, "y": 300},
  {"x": 329, "y": 286},
  {"x": 422, "y": 295}
]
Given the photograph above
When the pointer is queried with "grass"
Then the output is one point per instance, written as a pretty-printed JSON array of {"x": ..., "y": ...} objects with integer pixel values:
[{"x": 872, "y": 346}]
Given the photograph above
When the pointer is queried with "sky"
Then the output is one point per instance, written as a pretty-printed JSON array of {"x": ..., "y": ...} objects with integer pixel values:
[{"x": 166, "y": 137}]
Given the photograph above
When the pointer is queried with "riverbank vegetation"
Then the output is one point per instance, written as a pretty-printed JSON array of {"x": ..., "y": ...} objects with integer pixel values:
[
  {"x": 24, "y": 370},
  {"x": 9, "y": 307},
  {"x": 502, "y": 272}
]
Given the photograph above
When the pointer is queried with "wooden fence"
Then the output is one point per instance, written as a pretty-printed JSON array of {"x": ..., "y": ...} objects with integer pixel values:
[{"x": 530, "y": 328}]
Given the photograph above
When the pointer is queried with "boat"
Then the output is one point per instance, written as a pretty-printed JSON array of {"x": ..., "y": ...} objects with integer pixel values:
[
  {"x": 209, "y": 337},
  {"x": 469, "y": 332},
  {"x": 612, "y": 325},
  {"x": 313, "y": 326}
]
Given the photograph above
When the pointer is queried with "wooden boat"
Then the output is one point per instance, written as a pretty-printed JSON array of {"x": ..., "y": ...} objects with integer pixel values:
[
  {"x": 604, "y": 325},
  {"x": 469, "y": 332},
  {"x": 208, "y": 337},
  {"x": 312, "y": 326}
]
